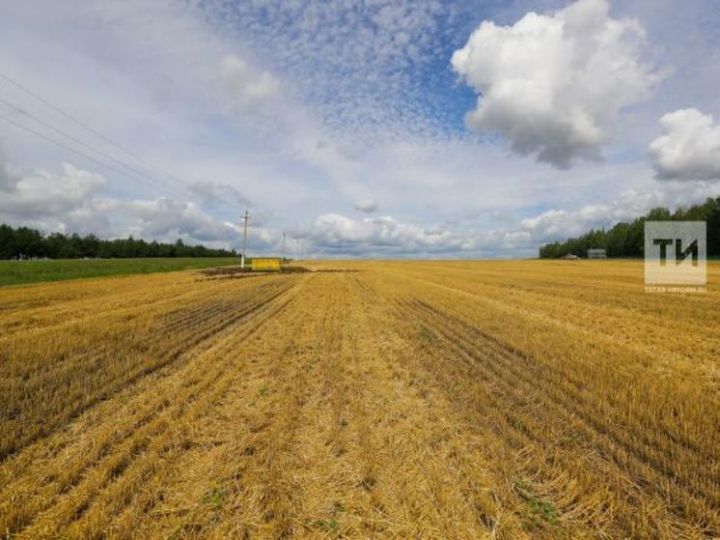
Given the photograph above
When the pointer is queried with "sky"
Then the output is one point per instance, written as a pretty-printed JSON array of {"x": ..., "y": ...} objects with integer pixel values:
[{"x": 398, "y": 128}]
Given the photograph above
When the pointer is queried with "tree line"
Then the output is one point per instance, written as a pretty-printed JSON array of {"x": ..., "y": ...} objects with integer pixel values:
[
  {"x": 24, "y": 242},
  {"x": 626, "y": 239}
]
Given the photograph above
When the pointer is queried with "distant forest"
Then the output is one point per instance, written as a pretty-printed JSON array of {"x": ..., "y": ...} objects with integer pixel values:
[
  {"x": 24, "y": 242},
  {"x": 627, "y": 239}
]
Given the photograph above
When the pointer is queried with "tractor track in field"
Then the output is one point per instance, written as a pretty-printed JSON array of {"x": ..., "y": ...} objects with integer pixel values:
[
  {"x": 611, "y": 321},
  {"x": 187, "y": 333},
  {"x": 187, "y": 330},
  {"x": 502, "y": 367},
  {"x": 253, "y": 466},
  {"x": 65, "y": 498},
  {"x": 574, "y": 392},
  {"x": 42, "y": 315}
]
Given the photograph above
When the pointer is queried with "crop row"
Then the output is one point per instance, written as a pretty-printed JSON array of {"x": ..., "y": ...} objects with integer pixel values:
[
  {"x": 123, "y": 449},
  {"x": 541, "y": 406},
  {"x": 94, "y": 362}
]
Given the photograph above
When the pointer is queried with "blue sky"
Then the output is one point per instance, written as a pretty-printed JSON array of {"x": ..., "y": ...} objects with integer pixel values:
[{"x": 365, "y": 129}]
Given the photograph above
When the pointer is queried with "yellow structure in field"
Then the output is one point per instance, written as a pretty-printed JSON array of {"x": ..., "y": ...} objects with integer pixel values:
[{"x": 265, "y": 264}]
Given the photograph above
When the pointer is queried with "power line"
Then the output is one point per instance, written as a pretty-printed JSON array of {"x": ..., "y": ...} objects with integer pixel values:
[
  {"x": 102, "y": 163},
  {"x": 58, "y": 143},
  {"x": 95, "y": 132},
  {"x": 94, "y": 160},
  {"x": 63, "y": 133},
  {"x": 134, "y": 171},
  {"x": 245, "y": 223},
  {"x": 69, "y": 116}
]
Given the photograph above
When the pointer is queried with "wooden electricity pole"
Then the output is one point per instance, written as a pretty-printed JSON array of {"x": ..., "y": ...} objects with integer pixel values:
[
  {"x": 283, "y": 250},
  {"x": 245, "y": 221}
]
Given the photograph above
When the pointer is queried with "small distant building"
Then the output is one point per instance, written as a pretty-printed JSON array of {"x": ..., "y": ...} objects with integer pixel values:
[
  {"x": 266, "y": 264},
  {"x": 570, "y": 257},
  {"x": 597, "y": 253}
]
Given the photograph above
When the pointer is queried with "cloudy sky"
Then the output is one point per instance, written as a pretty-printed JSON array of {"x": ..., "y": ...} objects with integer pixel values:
[{"x": 402, "y": 128}]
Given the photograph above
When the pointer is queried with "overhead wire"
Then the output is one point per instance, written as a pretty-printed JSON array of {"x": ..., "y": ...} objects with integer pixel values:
[
  {"x": 184, "y": 191},
  {"x": 72, "y": 118},
  {"x": 58, "y": 143},
  {"x": 128, "y": 168}
]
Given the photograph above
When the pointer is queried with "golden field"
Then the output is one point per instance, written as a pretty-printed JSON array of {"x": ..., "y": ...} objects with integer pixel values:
[{"x": 517, "y": 399}]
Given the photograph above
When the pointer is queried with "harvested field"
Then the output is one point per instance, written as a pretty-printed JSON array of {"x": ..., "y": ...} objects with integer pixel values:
[{"x": 519, "y": 399}]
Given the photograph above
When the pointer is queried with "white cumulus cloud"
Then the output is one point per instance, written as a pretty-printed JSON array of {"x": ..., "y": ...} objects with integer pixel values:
[
  {"x": 337, "y": 233},
  {"x": 562, "y": 223},
  {"x": 689, "y": 148},
  {"x": 72, "y": 200},
  {"x": 553, "y": 84},
  {"x": 167, "y": 218},
  {"x": 45, "y": 194}
]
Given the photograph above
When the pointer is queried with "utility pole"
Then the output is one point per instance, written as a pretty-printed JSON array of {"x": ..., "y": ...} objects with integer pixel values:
[
  {"x": 283, "y": 250},
  {"x": 245, "y": 220},
  {"x": 298, "y": 248}
]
